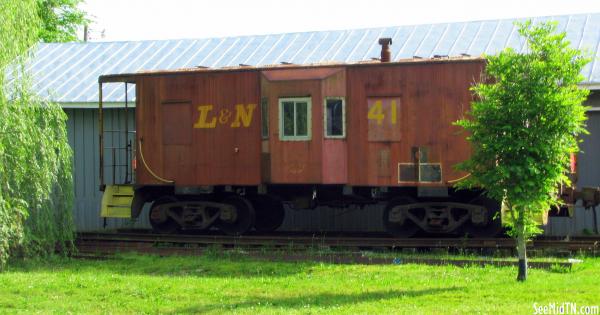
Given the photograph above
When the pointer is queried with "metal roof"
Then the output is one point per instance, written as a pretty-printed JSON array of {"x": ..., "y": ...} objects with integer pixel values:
[{"x": 68, "y": 72}]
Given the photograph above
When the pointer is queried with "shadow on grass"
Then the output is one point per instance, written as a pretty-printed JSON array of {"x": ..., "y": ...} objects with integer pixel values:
[
  {"x": 322, "y": 300},
  {"x": 228, "y": 266}
]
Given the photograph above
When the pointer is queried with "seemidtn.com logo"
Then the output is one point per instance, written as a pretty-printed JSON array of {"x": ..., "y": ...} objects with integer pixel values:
[{"x": 564, "y": 308}]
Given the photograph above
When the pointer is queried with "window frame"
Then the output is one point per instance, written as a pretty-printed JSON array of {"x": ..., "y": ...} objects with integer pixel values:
[
  {"x": 295, "y": 137},
  {"x": 420, "y": 179},
  {"x": 343, "y": 135}
]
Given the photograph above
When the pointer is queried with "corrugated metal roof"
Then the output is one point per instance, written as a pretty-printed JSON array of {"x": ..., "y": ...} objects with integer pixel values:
[{"x": 68, "y": 72}]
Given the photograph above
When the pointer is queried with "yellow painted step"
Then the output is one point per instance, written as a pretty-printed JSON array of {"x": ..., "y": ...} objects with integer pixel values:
[
  {"x": 116, "y": 201},
  {"x": 541, "y": 218}
]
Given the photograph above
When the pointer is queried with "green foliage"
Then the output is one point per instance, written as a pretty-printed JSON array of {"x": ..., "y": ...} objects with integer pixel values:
[
  {"x": 60, "y": 20},
  {"x": 41, "y": 169},
  {"x": 18, "y": 30},
  {"x": 525, "y": 124},
  {"x": 17, "y": 33},
  {"x": 36, "y": 185},
  {"x": 557, "y": 268}
]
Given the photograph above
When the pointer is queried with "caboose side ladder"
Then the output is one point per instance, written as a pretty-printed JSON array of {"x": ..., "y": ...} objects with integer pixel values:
[{"x": 117, "y": 194}]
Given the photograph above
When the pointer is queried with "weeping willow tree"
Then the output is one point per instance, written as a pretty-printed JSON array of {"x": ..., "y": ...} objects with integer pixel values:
[{"x": 36, "y": 185}]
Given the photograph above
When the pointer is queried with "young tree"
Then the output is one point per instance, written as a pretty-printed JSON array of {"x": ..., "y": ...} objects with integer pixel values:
[
  {"x": 523, "y": 127},
  {"x": 60, "y": 20}
]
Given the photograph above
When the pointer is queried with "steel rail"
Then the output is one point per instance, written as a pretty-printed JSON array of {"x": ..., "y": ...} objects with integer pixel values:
[{"x": 331, "y": 241}]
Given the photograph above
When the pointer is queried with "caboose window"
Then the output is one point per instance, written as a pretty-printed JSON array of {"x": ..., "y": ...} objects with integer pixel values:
[
  {"x": 294, "y": 118},
  {"x": 334, "y": 117}
]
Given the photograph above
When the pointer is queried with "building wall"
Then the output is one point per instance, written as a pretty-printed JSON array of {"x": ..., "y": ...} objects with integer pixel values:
[
  {"x": 584, "y": 221},
  {"x": 82, "y": 128},
  {"x": 83, "y": 137}
]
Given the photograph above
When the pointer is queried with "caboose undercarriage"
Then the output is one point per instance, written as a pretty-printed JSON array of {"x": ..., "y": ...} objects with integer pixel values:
[{"x": 237, "y": 210}]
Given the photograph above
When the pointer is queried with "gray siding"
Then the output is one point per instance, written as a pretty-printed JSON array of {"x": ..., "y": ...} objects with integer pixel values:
[
  {"x": 593, "y": 99},
  {"x": 589, "y": 158},
  {"x": 82, "y": 128},
  {"x": 589, "y": 175},
  {"x": 589, "y": 169}
]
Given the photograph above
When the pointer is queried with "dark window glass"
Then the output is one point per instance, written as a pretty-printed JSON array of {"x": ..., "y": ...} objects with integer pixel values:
[
  {"x": 288, "y": 119},
  {"x": 408, "y": 173},
  {"x": 430, "y": 172},
  {"x": 301, "y": 119},
  {"x": 334, "y": 118},
  {"x": 294, "y": 118}
]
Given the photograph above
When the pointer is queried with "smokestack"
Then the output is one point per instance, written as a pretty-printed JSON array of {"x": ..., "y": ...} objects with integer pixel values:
[{"x": 385, "y": 49}]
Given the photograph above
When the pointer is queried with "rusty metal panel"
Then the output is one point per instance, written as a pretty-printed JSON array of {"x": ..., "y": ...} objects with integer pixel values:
[
  {"x": 227, "y": 128},
  {"x": 179, "y": 164},
  {"x": 335, "y": 161},
  {"x": 383, "y": 163},
  {"x": 429, "y": 98},
  {"x": 200, "y": 129},
  {"x": 148, "y": 132},
  {"x": 383, "y": 116},
  {"x": 335, "y": 150},
  {"x": 300, "y": 74},
  {"x": 177, "y": 118}
]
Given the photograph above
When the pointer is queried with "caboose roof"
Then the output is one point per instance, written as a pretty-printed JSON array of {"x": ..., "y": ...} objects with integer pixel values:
[
  {"x": 131, "y": 77},
  {"x": 68, "y": 72}
]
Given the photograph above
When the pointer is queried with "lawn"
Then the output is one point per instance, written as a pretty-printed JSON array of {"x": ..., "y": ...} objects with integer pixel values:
[{"x": 232, "y": 283}]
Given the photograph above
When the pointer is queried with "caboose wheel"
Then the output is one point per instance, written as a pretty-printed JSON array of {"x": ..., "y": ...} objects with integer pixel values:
[
  {"x": 159, "y": 219},
  {"x": 395, "y": 221},
  {"x": 493, "y": 222},
  {"x": 241, "y": 220},
  {"x": 269, "y": 213}
]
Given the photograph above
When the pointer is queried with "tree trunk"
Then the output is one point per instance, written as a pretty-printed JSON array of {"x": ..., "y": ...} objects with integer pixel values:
[{"x": 522, "y": 252}]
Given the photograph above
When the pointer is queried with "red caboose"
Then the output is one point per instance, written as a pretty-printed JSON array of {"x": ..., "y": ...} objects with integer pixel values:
[{"x": 226, "y": 148}]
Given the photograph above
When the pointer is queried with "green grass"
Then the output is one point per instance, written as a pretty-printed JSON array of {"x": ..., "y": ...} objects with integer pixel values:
[{"x": 224, "y": 283}]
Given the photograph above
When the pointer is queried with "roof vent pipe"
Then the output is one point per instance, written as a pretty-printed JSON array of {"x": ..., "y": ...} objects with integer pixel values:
[{"x": 385, "y": 49}]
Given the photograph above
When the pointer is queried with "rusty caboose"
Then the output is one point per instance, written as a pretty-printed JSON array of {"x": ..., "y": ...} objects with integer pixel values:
[{"x": 226, "y": 148}]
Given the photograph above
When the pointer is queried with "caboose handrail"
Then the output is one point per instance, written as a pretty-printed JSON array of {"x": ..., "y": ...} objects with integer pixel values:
[
  {"x": 127, "y": 149},
  {"x": 148, "y": 168},
  {"x": 101, "y": 137},
  {"x": 458, "y": 179}
]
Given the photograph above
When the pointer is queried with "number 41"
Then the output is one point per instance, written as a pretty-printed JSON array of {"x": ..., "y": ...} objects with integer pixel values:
[{"x": 376, "y": 112}]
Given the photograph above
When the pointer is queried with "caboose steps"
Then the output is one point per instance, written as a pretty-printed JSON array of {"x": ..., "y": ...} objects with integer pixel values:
[{"x": 116, "y": 201}]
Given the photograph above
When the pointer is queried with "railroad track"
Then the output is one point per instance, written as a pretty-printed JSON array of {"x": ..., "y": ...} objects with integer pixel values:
[{"x": 189, "y": 244}]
